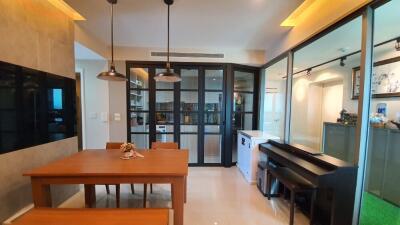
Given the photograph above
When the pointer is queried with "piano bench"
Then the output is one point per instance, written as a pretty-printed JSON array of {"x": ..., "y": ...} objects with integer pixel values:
[{"x": 295, "y": 183}]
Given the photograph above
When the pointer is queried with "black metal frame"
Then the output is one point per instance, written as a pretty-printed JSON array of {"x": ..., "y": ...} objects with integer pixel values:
[{"x": 226, "y": 111}]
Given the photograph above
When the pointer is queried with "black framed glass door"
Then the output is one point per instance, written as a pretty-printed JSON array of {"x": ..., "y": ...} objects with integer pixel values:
[
  {"x": 214, "y": 115},
  {"x": 192, "y": 112},
  {"x": 244, "y": 103}
]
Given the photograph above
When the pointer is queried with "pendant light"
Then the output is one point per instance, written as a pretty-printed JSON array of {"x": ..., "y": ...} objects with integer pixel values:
[
  {"x": 112, "y": 74},
  {"x": 168, "y": 75}
]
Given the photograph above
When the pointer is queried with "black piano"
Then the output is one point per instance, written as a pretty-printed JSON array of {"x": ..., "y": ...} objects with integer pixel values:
[{"x": 335, "y": 179}]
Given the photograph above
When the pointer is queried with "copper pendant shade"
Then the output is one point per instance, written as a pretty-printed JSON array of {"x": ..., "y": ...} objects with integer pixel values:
[
  {"x": 112, "y": 74},
  {"x": 168, "y": 75}
]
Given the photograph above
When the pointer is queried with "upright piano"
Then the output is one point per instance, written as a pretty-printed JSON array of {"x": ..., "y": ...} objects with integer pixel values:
[{"x": 335, "y": 179}]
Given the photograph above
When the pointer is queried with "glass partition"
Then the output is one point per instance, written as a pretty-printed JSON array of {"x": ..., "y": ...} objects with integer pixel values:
[
  {"x": 381, "y": 196},
  {"x": 324, "y": 109},
  {"x": 275, "y": 99},
  {"x": 139, "y": 106}
]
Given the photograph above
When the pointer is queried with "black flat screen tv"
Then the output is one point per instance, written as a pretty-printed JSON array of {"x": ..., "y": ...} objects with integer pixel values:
[{"x": 35, "y": 107}]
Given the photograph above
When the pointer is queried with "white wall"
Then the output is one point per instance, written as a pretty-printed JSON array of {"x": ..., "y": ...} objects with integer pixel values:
[{"x": 96, "y": 94}]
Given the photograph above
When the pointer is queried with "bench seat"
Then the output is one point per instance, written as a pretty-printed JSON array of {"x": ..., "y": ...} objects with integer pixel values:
[{"x": 52, "y": 216}]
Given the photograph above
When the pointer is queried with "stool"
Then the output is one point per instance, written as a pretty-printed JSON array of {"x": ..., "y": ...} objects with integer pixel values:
[{"x": 295, "y": 183}]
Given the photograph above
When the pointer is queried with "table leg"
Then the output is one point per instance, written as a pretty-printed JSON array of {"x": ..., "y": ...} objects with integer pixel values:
[
  {"x": 90, "y": 195},
  {"x": 185, "y": 189},
  {"x": 40, "y": 193},
  {"x": 178, "y": 198}
]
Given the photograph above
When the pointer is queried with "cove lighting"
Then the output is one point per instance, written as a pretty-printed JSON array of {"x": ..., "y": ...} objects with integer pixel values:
[
  {"x": 65, "y": 8},
  {"x": 293, "y": 18}
]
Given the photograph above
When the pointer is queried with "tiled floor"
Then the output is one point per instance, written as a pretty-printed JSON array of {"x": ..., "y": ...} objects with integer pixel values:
[{"x": 216, "y": 196}]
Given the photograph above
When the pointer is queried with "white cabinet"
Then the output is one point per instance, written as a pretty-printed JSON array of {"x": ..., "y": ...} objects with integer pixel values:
[{"x": 248, "y": 154}]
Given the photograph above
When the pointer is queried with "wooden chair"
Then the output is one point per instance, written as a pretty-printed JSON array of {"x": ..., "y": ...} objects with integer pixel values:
[
  {"x": 116, "y": 146},
  {"x": 158, "y": 145}
]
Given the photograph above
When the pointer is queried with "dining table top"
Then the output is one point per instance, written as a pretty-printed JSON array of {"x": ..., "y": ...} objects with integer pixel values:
[{"x": 102, "y": 162}]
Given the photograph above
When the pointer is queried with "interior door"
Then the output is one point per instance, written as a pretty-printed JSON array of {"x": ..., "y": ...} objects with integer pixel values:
[
  {"x": 244, "y": 103},
  {"x": 213, "y": 115}
]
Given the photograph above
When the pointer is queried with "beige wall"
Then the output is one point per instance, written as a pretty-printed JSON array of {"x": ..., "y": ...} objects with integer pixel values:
[
  {"x": 117, "y": 98},
  {"x": 35, "y": 35},
  {"x": 314, "y": 22}
]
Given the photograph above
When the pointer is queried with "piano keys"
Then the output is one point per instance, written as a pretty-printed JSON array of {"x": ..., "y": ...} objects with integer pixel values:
[{"x": 335, "y": 179}]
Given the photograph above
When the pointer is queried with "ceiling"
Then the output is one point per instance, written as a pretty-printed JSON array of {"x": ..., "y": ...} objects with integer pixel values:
[
  {"x": 202, "y": 24},
  {"x": 344, "y": 40}
]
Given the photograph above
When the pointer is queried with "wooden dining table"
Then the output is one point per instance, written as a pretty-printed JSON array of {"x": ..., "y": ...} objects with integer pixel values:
[{"x": 100, "y": 166}]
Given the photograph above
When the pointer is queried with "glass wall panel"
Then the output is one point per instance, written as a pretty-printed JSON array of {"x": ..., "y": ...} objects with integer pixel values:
[
  {"x": 243, "y": 102},
  {"x": 139, "y": 100},
  {"x": 212, "y": 129},
  {"x": 140, "y": 140},
  {"x": 139, "y": 122},
  {"x": 190, "y": 78},
  {"x": 244, "y": 81},
  {"x": 164, "y": 101},
  {"x": 324, "y": 110},
  {"x": 189, "y": 141},
  {"x": 212, "y": 148},
  {"x": 214, "y": 79},
  {"x": 139, "y": 78},
  {"x": 189, "y": 118},
  {"x": 213, "y": 101},
  {"x": 189, "y": 101},
  {"x": 275, "y": 99},
  {"x": 165, "y": 137},
  {"x": 163, "y": 85},
  {"x": 381, "y": 196},
  {"x": 189, "y": 129}
]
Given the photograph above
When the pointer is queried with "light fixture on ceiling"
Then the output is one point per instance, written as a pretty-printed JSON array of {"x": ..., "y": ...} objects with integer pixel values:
[
  {"x": 342, "y": 64},
  {"x": 168, "y": 75},
  {"x": 397, "y": 46},
  {"x": 112, "y": 74},
  {"x": 309, "y": 71}
]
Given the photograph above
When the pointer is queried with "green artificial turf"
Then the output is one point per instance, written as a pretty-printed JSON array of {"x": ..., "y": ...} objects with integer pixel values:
[{"x": 376, "y": 211}]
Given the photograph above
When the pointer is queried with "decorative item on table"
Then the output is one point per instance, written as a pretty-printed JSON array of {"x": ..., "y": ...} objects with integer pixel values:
[
  {"x": 378, "y": 120},
  {"x": 128, "y": 151},
  {"x": 347, "y": 118}
]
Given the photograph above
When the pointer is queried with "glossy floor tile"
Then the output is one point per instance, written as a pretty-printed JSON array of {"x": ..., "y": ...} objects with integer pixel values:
[{"x": 216, "y": 196}]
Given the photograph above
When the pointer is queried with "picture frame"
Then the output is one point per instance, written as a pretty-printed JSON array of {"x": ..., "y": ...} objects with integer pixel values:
[{"x": 385, "y": 79}]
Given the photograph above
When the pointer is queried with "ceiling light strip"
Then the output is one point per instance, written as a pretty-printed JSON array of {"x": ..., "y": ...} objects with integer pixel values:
[{"x": 65, "y": 8}]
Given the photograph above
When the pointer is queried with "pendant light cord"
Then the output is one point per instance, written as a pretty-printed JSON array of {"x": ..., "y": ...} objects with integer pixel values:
[
  {"x": 112, "y": 34},
  {"x": 168, "y": 64}
]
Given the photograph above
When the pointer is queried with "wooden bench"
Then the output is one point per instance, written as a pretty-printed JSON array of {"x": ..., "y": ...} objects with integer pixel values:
[
  {"x": 295, "y": 183},
  {"x": 52, "y": 216}
]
